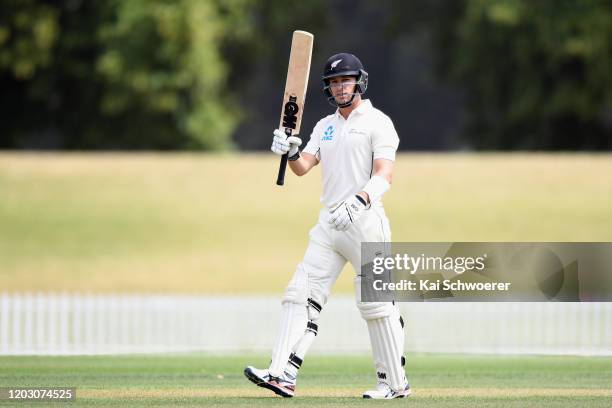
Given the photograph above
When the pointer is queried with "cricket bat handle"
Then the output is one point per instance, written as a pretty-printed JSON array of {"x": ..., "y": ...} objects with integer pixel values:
[{"x": 280, "y": 180}]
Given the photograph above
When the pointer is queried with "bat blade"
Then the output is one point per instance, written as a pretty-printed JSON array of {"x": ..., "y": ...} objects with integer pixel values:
[{"x": 295, "y": 90}]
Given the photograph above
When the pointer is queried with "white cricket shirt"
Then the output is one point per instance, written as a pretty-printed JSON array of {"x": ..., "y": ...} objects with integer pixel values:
[{"x": 347, "y": 148}]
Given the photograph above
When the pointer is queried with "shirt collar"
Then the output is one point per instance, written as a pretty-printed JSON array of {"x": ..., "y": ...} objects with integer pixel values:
[{"x": 363, "y": 107}]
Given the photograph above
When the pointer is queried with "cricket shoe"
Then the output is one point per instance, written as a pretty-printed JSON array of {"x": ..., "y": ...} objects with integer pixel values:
[
  {"x": 262, "y": 378},
  {"x": 383, "y": 391}
]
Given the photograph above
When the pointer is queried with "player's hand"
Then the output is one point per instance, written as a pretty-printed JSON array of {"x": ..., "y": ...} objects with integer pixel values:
[
  {"x": 347, "y": 213},
  {"x": 282, "y": 144}
]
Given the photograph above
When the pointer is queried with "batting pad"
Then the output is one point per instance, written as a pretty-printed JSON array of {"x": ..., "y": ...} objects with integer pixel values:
[
  {"x": 312, "y": 329},
  {"x": 387, "y": 338},
  {"x": 294, "y": 319}
]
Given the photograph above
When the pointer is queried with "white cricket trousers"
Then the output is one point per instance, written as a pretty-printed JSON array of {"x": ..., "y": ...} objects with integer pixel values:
[
  {"x": 327, "y": 253},
  {"x": 329, "y": 250}
]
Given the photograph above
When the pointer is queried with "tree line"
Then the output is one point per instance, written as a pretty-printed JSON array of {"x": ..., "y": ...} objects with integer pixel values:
[{"x": 192, "y": 74}]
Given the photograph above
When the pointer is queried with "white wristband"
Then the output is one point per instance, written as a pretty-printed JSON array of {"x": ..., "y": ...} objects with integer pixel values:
[{"x": 376, "y": 187}]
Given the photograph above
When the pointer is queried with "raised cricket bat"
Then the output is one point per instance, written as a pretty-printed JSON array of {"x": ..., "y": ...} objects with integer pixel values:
[{"x": 295, "y": 91}]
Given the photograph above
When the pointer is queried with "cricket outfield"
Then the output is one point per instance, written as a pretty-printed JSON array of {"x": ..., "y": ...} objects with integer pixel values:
[
  {"x": 210, "y": 224},
  {"x": 192, "y": 380}
]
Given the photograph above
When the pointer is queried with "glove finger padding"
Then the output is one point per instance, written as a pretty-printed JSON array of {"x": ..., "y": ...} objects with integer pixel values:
[
  {"x": 294, "y": 141},
  {"x": 280, "y": 147},
  {"x": 346, "y": 213},
  {"x": 294, "y": 145},
  {"x": 280, "y": 144},
  {"x": 339, "y": 218},
  {"x": 334, "y": 213},
  {"x": 344, "y": 221},
  {"x": 280, "y": 134}
]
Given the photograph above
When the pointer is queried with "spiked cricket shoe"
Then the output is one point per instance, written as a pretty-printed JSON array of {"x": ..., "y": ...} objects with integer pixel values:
[
  {"x": 262, "y": 378},
  {"x": 383, "y": 391}
]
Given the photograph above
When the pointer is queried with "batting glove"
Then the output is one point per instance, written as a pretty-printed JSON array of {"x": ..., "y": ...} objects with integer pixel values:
[
  {"x": 347, "y": 213},
  {"x": 282, "y": 144}
]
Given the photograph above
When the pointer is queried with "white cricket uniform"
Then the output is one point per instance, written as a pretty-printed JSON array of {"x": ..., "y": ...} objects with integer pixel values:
[{"x": 346, "y": 149}]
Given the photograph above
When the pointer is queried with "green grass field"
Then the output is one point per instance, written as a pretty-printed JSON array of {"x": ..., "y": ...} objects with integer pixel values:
[
  {"x": 192, "y": 380},
  {"x": 215, "y": 224}
]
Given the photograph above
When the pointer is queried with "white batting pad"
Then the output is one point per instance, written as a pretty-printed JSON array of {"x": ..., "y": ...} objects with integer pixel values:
[
  {"x": 293, "y": 324},
  {"x": 387, "y": 339}
]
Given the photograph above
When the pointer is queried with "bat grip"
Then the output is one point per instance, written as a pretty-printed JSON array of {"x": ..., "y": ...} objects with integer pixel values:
[{"x": 280, "y": 180}]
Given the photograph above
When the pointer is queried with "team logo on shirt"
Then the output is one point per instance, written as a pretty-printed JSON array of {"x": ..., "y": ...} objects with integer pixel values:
[{"x": 329, "y": 133}]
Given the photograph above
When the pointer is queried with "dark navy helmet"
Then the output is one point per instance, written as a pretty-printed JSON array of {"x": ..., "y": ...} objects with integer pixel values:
[{"x": 344, "y": 64}]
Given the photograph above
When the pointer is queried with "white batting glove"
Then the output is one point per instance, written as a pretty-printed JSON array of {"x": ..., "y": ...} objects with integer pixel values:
[
  {"x": 282, "y": 144},
  {"x": 347, "y": 213}
]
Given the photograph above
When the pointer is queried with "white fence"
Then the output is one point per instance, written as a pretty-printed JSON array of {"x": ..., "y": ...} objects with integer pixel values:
[{"x": 101, "y": 324}]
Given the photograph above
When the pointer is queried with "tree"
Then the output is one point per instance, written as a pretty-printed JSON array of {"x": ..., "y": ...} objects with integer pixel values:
[
  {"x": 137, "y": 74},
  {"x": 535, "y": 73}
]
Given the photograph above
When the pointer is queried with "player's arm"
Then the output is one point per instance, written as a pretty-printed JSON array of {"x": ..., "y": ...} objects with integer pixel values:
[
  {"x": 303, "y": 163},
  {"x": 383, "y": 168},
  {"x": 384, "y": 146}
]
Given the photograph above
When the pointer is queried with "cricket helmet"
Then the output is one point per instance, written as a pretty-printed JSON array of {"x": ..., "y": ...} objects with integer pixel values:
[{"x": 344, "y": 64}]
